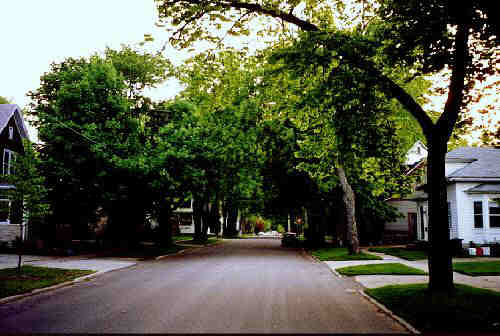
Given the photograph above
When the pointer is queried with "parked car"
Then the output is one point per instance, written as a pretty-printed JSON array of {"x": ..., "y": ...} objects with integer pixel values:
[{"x": 289, "y": 239}]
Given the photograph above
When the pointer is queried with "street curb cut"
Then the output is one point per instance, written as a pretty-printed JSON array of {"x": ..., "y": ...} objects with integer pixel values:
[
  {"x": 386, "y": 310},
  {"x": 57, "y": 286}
]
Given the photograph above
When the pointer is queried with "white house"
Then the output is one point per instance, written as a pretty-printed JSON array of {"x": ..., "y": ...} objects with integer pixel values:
[
  {"x": 183, "y": 216},
  {"x": 473, "y": 192},
  {"x": 405, "y": 228}
]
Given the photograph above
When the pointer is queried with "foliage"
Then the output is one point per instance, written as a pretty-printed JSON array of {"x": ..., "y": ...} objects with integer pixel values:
[
  {"x": 30, "y": 191},
  {"x": 91, "y": 119},
  {"x": 33, "y": 278},
  {"x": 472, "y": 310},
  {"x": 341, "y": 253},
  {"x": 4, "y": 100},
  {"x": 380, "y": 269}
]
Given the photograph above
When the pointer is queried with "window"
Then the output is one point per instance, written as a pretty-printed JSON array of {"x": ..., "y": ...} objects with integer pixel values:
[
  {"x": 11, "y": 132},
  {"x": 494, "y": 212},
  {"x": 478, "y": 214},
  {"x": 4, "y": 206},
  {"x": 8, "y": 162}
]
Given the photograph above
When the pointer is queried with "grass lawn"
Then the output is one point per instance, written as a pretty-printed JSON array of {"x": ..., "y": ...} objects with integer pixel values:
[
  {"x": 471, "y": 310},
  {"x": 182, "y": 237},
  {"x": 476, "y": 268},
  {"x": 143, "y": 252},
  {"x": 400, "y": 252},
  {"x": 389, "y": 269},
  {"x": 210, "y": 240},
  {"x": 33, "y": 277},
  {"x": 340, "y": 253}
]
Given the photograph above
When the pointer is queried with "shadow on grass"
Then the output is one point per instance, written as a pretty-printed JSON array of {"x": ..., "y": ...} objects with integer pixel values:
[
  {"x": 401, "y": 252},
  {"x": 33, "y": 277},
  {"x": 469, "y": 310}
]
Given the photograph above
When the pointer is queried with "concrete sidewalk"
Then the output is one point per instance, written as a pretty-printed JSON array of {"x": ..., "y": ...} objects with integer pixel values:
[
  {"x": 100, "y": 265},
  {"x": 372, "y": 281}
]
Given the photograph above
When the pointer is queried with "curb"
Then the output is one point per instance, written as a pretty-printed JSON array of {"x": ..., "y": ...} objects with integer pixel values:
[
  {"x": 388, "y": 312},
  {"x": 57, "y": 286}
]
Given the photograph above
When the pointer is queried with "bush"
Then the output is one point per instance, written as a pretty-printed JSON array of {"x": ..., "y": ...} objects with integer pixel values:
[{"x": 280, "y": 229}]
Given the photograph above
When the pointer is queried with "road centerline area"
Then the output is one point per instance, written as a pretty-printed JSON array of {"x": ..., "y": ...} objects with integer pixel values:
[{"x": 242, "y": 285}]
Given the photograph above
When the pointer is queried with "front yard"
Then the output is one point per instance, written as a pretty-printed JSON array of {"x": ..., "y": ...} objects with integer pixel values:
[
  {"x": 470, "y": 310},
  {"x": 33, "y": 277},
  {"x": 477, "y": 268},
  {"x": 380, "y": 269},
  {"x": 340, "y": 253},
  {"x": 401, "y": 252}
]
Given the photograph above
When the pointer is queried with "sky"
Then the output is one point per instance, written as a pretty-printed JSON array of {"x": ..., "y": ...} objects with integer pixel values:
[{"x": 37, "y": 33}]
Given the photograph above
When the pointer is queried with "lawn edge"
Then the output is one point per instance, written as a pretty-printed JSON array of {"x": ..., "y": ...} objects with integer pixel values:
[
  {"x": 59, "y": 285},
  {"x": 189, "y": 247},
  {"x": 390, "y": 313}
]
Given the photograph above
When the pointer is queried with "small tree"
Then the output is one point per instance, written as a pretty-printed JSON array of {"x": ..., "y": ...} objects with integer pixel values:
[{"x": 29, "y": 192}]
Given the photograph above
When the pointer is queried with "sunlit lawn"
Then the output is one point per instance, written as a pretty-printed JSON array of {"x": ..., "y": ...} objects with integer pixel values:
[
  {"x": 478, "y": 268},
  {"x": 340, "y": 253},
  {"x": 382, "y": 269}
]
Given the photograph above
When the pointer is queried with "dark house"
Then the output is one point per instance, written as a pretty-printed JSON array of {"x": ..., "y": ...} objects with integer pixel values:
[{"x": 12, "y": 131}]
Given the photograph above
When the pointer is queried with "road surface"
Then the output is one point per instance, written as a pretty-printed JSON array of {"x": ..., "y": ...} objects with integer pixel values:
[{"x": 245, "y": 285}]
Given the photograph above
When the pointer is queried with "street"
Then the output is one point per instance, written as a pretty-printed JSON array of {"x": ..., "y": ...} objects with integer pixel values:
[{"x": 242, "y": 285}]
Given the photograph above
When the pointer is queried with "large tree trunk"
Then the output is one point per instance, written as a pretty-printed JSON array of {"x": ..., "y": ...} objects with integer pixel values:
[
  {"x": 165, "y": 226},
  {"x": 197, "y": 219},
  {"x": 350, "y": 210},
  {"x": 230, "y": 220},
  {"x": 440, "y": 259}
]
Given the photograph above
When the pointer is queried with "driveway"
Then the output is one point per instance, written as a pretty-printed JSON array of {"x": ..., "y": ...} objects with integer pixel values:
[{"x": 242, "y": 285}]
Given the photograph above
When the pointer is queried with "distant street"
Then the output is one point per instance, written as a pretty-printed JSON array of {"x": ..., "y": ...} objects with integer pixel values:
[{"x": 246, "y": 285}]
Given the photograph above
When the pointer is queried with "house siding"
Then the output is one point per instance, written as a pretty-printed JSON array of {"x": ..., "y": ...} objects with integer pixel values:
[
  {"x": 9, "y": 232},
  {"x": 452, "y": 201},
  {"x": 403, "y": 206}
]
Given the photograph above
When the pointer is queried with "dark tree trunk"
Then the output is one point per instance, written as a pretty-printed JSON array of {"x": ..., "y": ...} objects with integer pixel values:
[
  {"x": 231, "y": 219},
  {"x": 350, "y": 211},
  {"x": 197, "y": 219},
  {"x": 205, "y": 219},
  {"x": 165, "y": 227},
  {"x": 440, "y": 259}
]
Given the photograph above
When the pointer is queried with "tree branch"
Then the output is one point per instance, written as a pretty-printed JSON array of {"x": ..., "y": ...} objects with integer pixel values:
[{"x": 447, "y": 120}]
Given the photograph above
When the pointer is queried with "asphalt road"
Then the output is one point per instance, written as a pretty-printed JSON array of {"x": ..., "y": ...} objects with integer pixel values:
[{"x": 251, "y": 286}]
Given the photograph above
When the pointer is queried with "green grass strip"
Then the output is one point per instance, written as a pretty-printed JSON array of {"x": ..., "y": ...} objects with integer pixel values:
[
  {"x": 477, "y": 268},
  {"x": 380, "y": 269},
  {"x": 400, "y": 252},
  {"x": 341, "y": 253},
  {"x": 33, "y": 277},
  {"x": 469, "y": 310}
]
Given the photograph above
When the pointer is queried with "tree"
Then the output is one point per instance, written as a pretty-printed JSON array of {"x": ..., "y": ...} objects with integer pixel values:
[
  {"x": 91, "y": 118},
  {"x": 29, "y": 197},
  {"x": 433, "y": 35},
  {"x": 4, "y": 100}
]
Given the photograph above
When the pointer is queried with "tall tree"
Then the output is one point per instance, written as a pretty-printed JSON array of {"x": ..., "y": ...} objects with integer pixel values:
[{"x": 433, "y": 35}]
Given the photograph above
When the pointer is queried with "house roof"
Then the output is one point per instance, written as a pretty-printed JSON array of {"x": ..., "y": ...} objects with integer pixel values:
[
  {"x": 485, "y": 188},
  {"x": 9, "y": 110},
  {"x": 482, "y": 163}
]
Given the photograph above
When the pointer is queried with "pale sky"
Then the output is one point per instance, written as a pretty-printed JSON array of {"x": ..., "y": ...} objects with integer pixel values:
[{"x": 36, "y": 33}]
